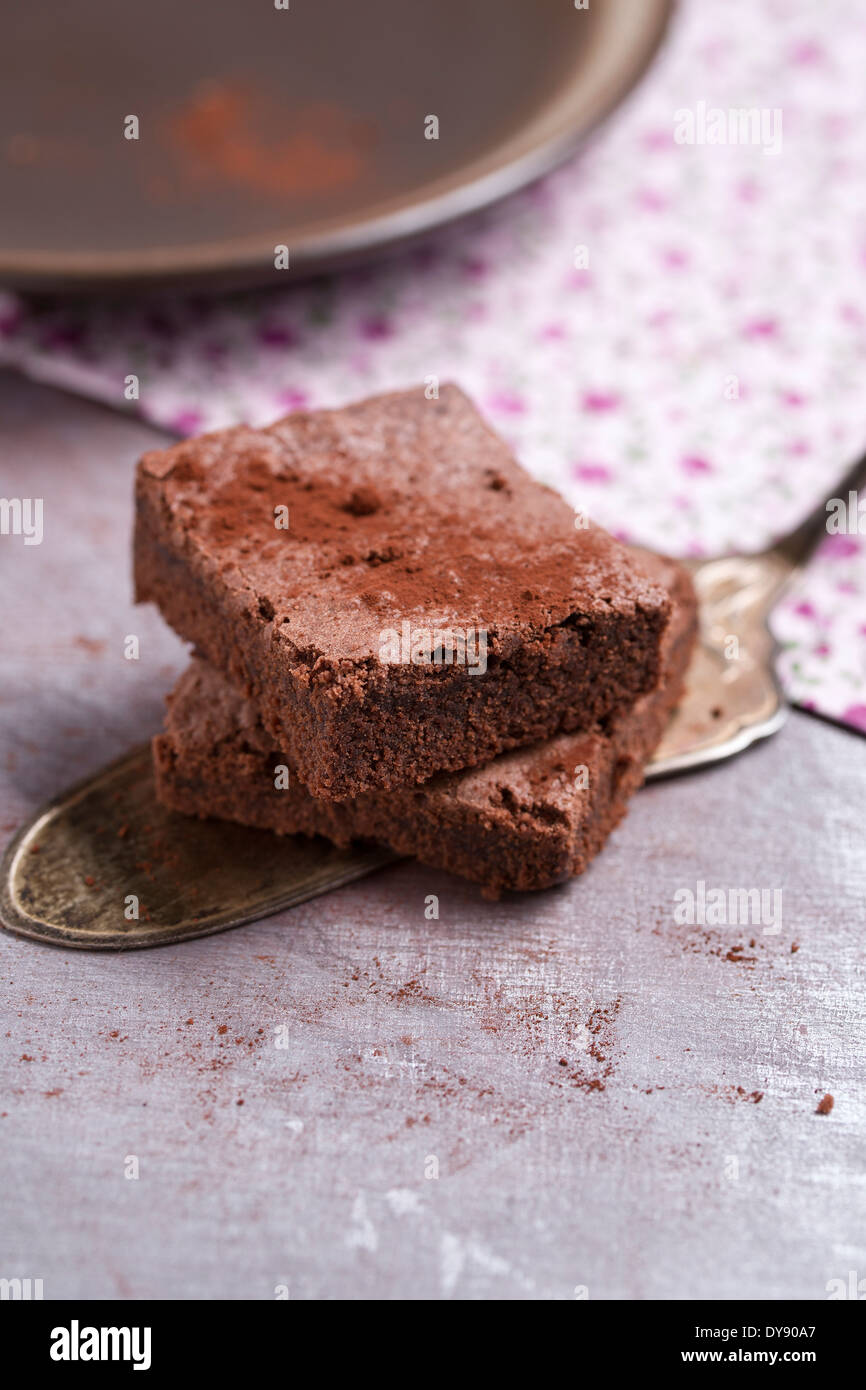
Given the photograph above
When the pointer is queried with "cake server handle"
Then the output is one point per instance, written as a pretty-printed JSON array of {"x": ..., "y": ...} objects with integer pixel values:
[{"x": 733, "y": 696}]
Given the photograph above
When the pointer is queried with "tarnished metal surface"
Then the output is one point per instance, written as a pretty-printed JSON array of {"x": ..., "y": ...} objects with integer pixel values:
[
  {"x": 732, "y": 695},
  {"x": 106, "y": 867}
]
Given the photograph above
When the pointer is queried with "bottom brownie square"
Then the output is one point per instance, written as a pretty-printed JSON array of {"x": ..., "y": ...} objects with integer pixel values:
[{"x": 527, "y": 820}]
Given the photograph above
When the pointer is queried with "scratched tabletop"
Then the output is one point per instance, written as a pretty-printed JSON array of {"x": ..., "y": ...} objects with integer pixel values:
[{"x": 564, "y": 1095}]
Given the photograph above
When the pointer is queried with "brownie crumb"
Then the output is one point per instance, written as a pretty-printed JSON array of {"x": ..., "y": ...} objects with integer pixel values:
[
  {"x": 363, "y": 501},
  {"x": 736, "y": 955},
  {"x": 754, "y": 1096}
]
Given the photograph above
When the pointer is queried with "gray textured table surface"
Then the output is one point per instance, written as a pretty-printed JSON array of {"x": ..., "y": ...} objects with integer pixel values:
[{"x": 579, "y": 1069}]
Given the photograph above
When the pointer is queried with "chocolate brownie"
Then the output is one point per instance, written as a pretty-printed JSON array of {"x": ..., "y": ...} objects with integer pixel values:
[
  {"x": 529, "y": 819},
  {"x": 392, "y": 590}
]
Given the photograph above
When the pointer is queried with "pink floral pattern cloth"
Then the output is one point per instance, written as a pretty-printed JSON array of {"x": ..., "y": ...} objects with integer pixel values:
[{"x": 673, "y": 334}]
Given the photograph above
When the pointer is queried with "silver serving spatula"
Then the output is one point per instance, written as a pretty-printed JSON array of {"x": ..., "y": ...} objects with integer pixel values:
[{"x": 104, "y": 865}]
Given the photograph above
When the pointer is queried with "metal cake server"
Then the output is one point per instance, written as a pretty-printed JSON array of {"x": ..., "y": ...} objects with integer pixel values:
[{"x": 104, "y": 865}]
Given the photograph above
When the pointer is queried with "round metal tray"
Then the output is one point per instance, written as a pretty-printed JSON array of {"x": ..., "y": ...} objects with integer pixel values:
[{"x": 304, "y": 127}]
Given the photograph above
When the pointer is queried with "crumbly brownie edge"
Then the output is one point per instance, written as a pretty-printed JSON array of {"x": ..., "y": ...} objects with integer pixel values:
[{"x": 498, "y": 850}]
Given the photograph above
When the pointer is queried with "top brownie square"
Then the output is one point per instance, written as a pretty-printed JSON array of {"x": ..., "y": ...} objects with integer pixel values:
[{"x": 392, "y": 590}]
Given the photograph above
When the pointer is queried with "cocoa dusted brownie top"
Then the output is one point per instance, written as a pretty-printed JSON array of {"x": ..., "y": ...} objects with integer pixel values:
[
  {"x": 398, "y": 508},
  {"x": 391, "y": 589}
]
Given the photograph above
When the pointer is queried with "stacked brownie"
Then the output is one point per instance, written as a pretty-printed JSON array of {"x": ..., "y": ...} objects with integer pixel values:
[{"x": 403, "y": 637}]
